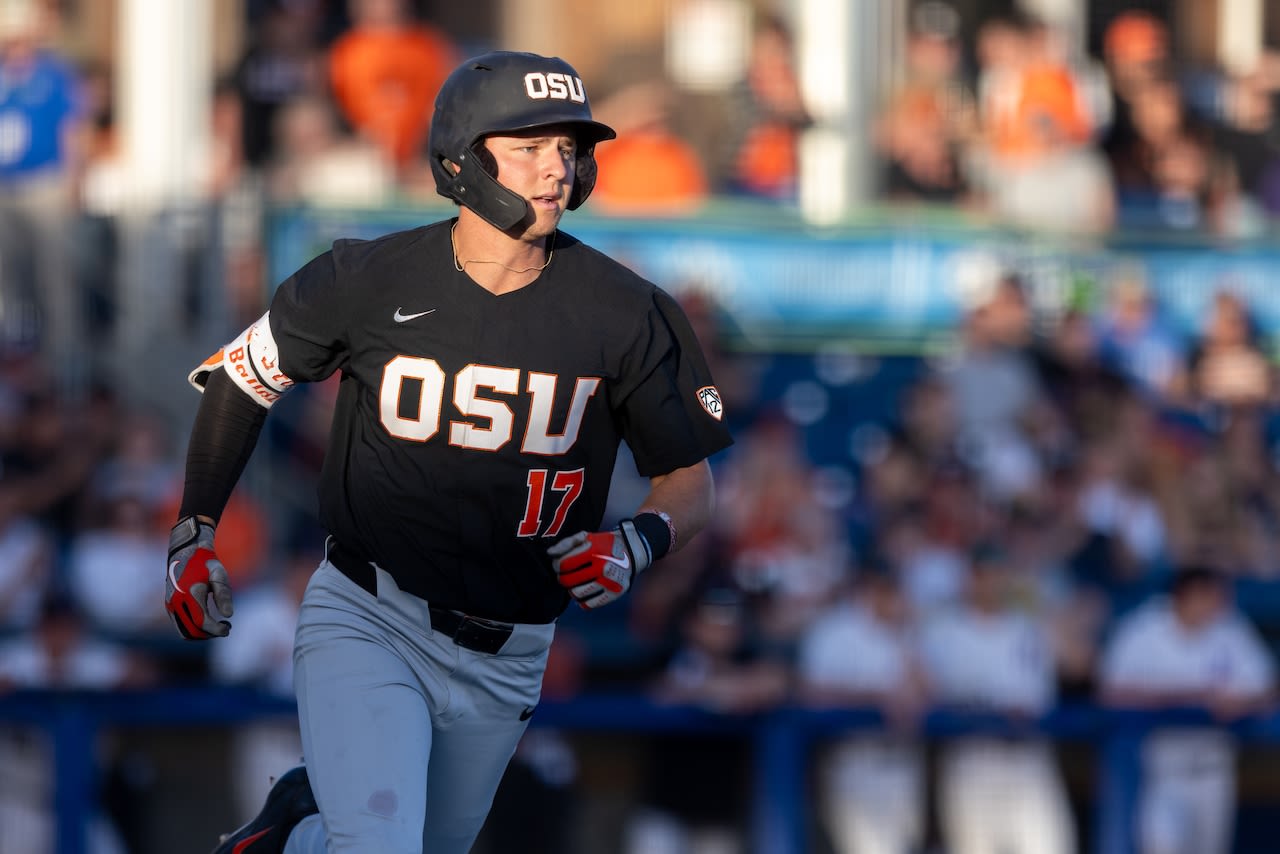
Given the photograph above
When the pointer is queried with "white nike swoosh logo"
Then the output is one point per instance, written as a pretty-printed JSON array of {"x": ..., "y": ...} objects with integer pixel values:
[
  {"x": 625, "y": 562},
  {"x": 172, "y": 578},
  {"x": 401, "y": 318}
]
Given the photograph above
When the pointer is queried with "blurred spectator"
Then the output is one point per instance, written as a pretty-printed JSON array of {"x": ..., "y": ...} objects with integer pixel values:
[
  {"x": 1170, "y": 177},
  {"x": 649, "y": 170},
  {"x": 40, "y": 126},
  {"x": 1075, "y": 375},
  {"x": 1249, "y": 468},
  {"x": 781, "y": 543},
  {"x": 1190, "y": 649},
  {"x": 283, "y": 60},
  {"x": 1024, "y": 85},
  {"x": 694, "y": 801},
  {"x": 996, "y": 389},
  {"x": 26, "y": 564},
  {"x": 769, "y": 114},
  {"x": 260, "y": 654},
  {"x": 51, "y": 460},
  {"x": 999, "y": 790},
  {"x": 1247, "y": 132},
  {"x": 140, "y": 463},
  {"x": 931, "y": 569},
  {"x": 930, "y": 118},
  {"x": 1135, "y": 52},
  {"x": 316, "y": 163},
  {"x": 1036, "y": 164},
  {"x": 1136, "y": 340},
  {"x": 927, "y": 420},
  {"x": 385, "y": 72},
  {"x": 862, "y": 653},
  {"x": 112, "y": 571},
  {"x": 60, "y": 653},
  {"x": 1196, "y": 190},
  {"x": 1158, "y": 116},
  {"x": 1228, "y": 366},
  {"x": 1116, "y": 501},
  {"x": 1038, "y": 539},
  {"x": 1064, "y": 187},
  {"x": 1225, "y": 504}
]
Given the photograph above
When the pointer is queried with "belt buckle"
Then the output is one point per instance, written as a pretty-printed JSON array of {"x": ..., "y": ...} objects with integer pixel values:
[{"x": 481, "y": 635}]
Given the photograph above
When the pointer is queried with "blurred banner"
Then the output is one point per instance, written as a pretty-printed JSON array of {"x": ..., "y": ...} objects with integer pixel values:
[{"x": 881, "y": 286}]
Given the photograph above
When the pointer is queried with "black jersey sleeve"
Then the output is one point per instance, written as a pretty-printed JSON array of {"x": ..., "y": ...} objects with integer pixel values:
[
  {"x": 309, "y": 316},
  {"x": 670, "y": 409}
]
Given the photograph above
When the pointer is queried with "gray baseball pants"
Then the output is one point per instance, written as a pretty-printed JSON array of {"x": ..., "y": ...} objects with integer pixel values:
[{"x": 405, "y": 734}]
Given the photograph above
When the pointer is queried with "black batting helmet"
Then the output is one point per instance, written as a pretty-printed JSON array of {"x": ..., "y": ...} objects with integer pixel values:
[{"x": 500, "y": 92}]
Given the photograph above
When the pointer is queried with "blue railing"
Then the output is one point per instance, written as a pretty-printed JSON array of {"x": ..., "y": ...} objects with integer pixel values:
[{"x": 781, "y": 740}]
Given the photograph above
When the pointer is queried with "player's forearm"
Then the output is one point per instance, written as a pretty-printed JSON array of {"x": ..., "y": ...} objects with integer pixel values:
[
  {"x": 687, "y": 495},
  {"x": 223, "y": 437}
]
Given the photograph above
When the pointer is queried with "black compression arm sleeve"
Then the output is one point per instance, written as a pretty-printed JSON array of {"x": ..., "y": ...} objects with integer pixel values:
[{"x": 222, "y": 439}]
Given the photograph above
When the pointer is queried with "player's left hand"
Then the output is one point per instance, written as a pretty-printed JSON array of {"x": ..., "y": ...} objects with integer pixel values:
[{"x": 598, "y": 568}]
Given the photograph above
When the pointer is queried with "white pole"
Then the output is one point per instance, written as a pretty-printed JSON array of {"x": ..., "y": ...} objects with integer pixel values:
[
  {"x": 164, "y": 94},
  {"x": 165, "y": 91},
  {"x": 838, "y": 50},
  {"x": 1239, "y": 35}
]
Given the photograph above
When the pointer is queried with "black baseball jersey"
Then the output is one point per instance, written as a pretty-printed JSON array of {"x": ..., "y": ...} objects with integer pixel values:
[{"x": 472, "y": 430}]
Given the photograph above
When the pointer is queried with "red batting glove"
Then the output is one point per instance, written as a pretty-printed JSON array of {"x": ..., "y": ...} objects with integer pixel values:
[
  {"x": 195, "y": 574},
  {"x": 599, "y": 568}
]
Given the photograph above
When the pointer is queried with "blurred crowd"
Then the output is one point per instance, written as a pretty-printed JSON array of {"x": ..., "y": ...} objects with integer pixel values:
[
  {"x": 1057, "y": 509},
  {"x": 1021, "y": 129},
  {"x": 1083, "y": 510},
  {"x": 328, "y": 104}
]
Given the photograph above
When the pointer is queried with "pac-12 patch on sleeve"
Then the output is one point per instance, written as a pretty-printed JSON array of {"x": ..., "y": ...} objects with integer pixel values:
[{"x": 709, "y": 397}]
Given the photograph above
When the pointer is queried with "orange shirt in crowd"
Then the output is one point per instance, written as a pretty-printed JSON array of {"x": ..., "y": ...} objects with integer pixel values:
[
  {"x": 1043, "y": 93},
  {"x": 385, "y": 81},
  {"x": 243, "y": 538},
  {"x": 648, "y": 171},
  {"x": 768, "y": 161}
]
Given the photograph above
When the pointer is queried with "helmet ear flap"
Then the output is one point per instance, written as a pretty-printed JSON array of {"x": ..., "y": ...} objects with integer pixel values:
[
  {"x": 585, "y": 176},
  {"x": 485, "y": 158}
]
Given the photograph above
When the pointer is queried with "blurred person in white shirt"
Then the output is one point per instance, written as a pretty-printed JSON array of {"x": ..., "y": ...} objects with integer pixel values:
[
  {"x": 1191, "y": 648},
  {"x": 317, "y": 164},
  {"x": 112, "y": 570},
  {"x": 862, "y": 653},
  {"x": 1003, "y": 791}
]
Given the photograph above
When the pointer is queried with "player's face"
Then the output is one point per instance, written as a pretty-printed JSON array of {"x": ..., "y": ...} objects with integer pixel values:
[{"x": 538, "y": 164}]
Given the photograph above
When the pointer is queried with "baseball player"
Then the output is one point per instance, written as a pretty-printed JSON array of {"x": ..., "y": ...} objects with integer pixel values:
[
  {"x": 871, "y": 784},
  {"x": 997, "y": 792},
  {"x": 490, "y": 366},
  {"x": 1192, "y": 647}
]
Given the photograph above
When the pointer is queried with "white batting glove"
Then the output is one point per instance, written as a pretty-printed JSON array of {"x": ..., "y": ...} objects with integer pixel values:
[{"x": 598, "y": 568}]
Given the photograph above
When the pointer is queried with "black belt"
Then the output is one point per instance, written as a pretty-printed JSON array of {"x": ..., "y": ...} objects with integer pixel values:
[{"x": 474, "y": 633}]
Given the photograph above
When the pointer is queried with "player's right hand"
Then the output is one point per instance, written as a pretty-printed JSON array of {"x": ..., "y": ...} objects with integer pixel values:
[{"x": 195, "y": 574}]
